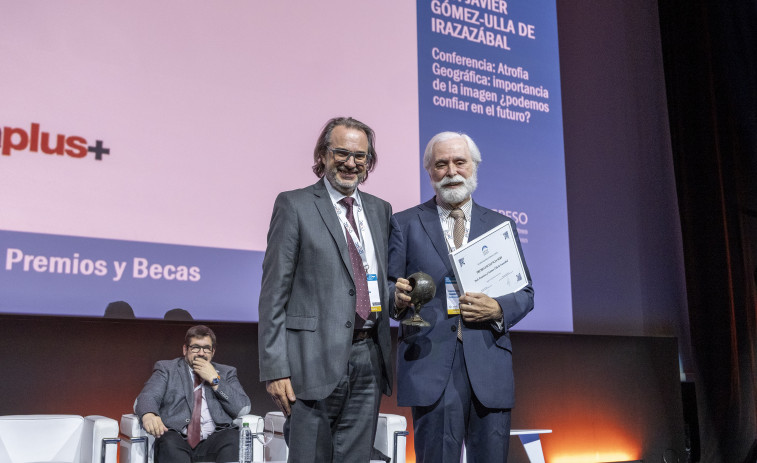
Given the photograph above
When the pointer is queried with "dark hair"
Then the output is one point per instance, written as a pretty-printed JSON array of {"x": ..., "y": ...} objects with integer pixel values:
[
  {"x": 200, "y": 331},
  {"x": 322, "y": 145}
]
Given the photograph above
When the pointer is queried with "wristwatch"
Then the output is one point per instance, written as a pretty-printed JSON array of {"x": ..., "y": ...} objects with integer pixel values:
[{"x": 216, "y": 380}]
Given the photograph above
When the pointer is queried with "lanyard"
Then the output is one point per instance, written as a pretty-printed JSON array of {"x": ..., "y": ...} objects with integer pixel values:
[{"x": 356, "y": 213}]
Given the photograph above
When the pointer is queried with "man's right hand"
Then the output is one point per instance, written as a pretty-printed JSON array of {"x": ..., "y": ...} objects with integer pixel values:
[
  {"x": 153, "y": 424},
  {"x": 401, "y": 297},
  {"x": 282, "y": 394}
]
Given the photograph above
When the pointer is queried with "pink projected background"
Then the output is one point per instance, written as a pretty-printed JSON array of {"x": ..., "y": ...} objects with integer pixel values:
[{"x": 209, "y": 110}]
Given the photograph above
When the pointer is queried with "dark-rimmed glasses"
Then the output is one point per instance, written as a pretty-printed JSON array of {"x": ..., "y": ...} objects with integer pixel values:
[
  {"x": 206, "y": 349},
  {"x": 343, "y": 155}
]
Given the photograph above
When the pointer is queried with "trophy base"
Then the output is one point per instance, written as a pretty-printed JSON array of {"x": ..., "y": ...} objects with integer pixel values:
[{"x": 415, "y": 320}]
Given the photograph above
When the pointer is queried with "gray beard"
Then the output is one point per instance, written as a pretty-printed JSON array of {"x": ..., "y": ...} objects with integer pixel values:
[
  {"x": 342, "y": 187},
  {"x": 458, "y": 194}
]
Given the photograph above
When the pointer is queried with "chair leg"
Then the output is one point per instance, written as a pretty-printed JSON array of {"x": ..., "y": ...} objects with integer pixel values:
[
  {"x": 532, "y": 444},
  {"x": 397, "y": 434},
  {"x": 104, "y": 449}
]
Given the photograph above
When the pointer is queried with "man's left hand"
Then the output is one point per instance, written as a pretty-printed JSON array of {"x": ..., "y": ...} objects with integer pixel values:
[
  {"x": 478, "y": 307},
  {"x": 204, "y": 369}
]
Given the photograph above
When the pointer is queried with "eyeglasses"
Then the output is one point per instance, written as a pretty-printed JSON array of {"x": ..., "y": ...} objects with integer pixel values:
[
  {"x": 206, "y": 349},
  {"x": 343, "y": 155}
]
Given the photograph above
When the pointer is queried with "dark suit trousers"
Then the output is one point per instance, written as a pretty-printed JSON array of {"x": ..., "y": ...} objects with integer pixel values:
[
  {"x": 221, "y": 446},
  {"x": 341, "y": 427},
  {"x": 439, "y": 429}
]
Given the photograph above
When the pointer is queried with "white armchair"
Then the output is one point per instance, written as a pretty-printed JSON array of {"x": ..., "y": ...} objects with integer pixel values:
[
  {"x": 58, "y": 439},
  {"x": 137, "y": 444},
  {"x": 391, "y": 436},
  {"x": 391, "y": 433}
]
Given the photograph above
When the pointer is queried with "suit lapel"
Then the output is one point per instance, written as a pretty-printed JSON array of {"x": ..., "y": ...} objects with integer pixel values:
[
  {"x": 479, "y": 223},
  {"x": 370, "y": 209},
  {"x": 373, "y": 216},
  {"x": 186, "y": 381},
  {"x": 429, "y": 218},
  {"x": 326, "y": 210}
]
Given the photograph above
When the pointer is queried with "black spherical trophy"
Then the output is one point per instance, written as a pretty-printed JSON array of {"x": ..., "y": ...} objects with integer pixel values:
[{"x": 423, "y": 290}]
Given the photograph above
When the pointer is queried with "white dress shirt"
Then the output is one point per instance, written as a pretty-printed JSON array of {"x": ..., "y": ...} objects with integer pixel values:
[{"x": 364, "y": 232}]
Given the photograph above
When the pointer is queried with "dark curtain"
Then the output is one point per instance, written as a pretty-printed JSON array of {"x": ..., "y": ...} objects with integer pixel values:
[{"x": 710, "y": 53}]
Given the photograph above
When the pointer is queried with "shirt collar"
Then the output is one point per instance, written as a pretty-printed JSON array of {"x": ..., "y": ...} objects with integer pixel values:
[
  {"x": 446, "y": 208},
  {"x": 337, "y": 196}
]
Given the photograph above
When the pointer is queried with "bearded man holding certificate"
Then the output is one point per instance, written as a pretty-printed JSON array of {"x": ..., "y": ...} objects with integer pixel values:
[{"x": 456, "y": 374}]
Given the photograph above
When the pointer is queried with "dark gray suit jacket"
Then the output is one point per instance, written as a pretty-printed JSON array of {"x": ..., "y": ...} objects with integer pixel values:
[
  {"x": 307, "y": 296},
  {"x": 168, "y": 394}
]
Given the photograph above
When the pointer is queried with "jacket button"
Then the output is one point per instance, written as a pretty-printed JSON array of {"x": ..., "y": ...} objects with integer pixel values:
[
  {"x": 453, "y": 328},
  {"x": 352, "y": 292},
  {"x": 348, "y": 324}
]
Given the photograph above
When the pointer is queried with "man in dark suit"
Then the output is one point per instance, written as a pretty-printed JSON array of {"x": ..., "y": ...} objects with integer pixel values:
[
  {"x": 324, "y": 328},
  {"x": 189, "y": 404},
  {"x": 457, "y": 373}
]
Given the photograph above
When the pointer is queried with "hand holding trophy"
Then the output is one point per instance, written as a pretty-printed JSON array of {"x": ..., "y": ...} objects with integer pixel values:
[{"x": 423, "y": 290}]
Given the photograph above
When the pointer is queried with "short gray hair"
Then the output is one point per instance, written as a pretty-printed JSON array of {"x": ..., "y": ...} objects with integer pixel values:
[{"x": 444, "y": 136}]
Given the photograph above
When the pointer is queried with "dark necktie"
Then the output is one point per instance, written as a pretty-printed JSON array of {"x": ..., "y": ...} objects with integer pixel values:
[
  {"x": 193, "y": 430},
  {"x": 363, "y": 301},
  {"x": 458, "y": 232}
]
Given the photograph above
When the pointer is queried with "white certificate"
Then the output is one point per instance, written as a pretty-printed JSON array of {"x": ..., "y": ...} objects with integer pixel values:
[{"x": 490, "y": 264}]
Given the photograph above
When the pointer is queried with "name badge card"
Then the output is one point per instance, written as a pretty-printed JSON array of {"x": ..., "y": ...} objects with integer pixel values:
[
  {"x": 373, "y": 292},
  {"x": 453, "y": 296}
]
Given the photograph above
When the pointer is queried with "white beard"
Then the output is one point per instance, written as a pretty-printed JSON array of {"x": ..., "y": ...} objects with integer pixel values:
[{"x": 459, "y": 194}]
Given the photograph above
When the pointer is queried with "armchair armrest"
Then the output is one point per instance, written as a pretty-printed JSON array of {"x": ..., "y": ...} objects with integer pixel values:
[
  {"x": 391, "y": 434},
  {"x": 131, "y": 427},
  {"x": 137, "y": 444},
  {"x": 99, "y": 439}
]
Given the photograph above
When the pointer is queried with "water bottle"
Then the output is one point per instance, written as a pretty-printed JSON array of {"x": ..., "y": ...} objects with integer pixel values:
[{"x": 245, "y": 443}]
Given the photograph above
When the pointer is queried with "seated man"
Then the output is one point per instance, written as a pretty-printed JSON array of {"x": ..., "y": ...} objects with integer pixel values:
[{"x": 189, "y": 404}]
